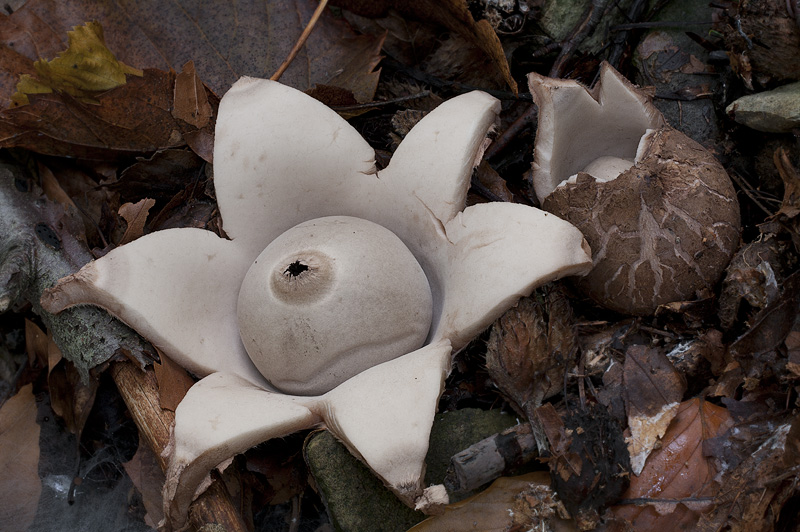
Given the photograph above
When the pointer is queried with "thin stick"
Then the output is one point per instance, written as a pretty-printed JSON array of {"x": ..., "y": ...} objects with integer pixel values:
[
  {"x": 582, "y": 30},
  {"x": 301, "y": 41},
  {"x": 527, "y": 118},
  {"x": 139, "y": 390}
]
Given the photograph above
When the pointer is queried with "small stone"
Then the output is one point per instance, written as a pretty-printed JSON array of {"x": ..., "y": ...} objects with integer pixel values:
[{"x": 775, "y": 111}]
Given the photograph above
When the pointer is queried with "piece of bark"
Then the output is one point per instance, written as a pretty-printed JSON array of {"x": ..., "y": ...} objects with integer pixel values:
[
  {"x": 139, "y": 389},
  {"x": 38, "y": 246},
  {"x": 491, "y": 458}
]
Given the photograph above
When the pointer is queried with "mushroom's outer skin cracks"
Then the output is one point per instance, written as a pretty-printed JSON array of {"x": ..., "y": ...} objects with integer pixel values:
[{"x": 665, "y": 228}]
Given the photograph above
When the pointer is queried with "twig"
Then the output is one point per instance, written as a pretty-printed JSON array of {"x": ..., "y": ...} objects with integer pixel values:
[
  {"x": 748, "y": 189},
  {"x": 300, "y": 41},
  {"x": 656, "y": 24},
  {"x": 490, "y": 458},
  {"x": 502, "y": 141},
  {"x": 617, "y": 48},
  {"x": 482, "y": 190},
  {"x": 376, "y": 104},
  {"x": 139, "y": 390},
  {"x": 585, "y": 27},
  {"x": 38, "y": 246}
]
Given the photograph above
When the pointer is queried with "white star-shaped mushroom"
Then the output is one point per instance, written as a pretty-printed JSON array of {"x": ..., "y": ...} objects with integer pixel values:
[{"x": 370, "y": 280}]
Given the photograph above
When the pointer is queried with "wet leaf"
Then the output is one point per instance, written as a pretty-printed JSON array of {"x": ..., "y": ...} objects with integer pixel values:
[
  {"x": 85, "y": 68},
  {"x": 20, "y": 486},
  {"x": 520, "y": 503},
  {"x": 678, "y": 481}
]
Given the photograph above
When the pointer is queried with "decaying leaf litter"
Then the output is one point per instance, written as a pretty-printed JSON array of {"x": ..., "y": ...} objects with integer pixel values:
[{"x": 688, "y": 415}]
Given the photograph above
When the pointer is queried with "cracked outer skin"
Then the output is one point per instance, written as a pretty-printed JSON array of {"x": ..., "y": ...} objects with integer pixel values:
[{"x": 661, "y": 231}]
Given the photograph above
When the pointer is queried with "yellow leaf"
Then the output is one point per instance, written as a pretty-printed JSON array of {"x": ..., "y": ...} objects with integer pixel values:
[{"x": 87, "y": 66}]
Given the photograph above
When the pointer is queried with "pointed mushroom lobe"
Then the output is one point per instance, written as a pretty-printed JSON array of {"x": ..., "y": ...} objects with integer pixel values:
[
  {"x": 271, "y": 175},
  {"x": 330, "y": 298},
  {"x": 390, "y": 430},
  {"x": 177, "y": 288},
  {"x": 578, "y": 125},
  {"x": 220, "y": 416},
  {"x": 384, "y": 416},
  {"x": 497, "y": 253}
]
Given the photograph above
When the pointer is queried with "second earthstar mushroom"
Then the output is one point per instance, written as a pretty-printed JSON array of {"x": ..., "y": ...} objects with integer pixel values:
[
  {"x": 658, "y": 210},
  {"x": 283, "y": 163}
]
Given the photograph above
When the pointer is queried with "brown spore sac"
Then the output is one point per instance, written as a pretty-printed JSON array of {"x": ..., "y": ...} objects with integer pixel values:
[{"x": 661, "y": 231}]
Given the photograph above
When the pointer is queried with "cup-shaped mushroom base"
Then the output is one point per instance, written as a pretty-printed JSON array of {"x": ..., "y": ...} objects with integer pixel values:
[{"x": 661, "y": 231}]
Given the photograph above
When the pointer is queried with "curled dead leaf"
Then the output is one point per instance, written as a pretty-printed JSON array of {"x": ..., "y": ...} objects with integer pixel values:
[
  {"x": 135, "y": 214},
  {"x": 191, "y": 100},
  {"x": 652, "y": 391},
  {"x": 678, "y": 481}
]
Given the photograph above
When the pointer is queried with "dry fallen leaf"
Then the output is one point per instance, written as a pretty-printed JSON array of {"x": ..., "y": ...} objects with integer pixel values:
[
  {"x": 53, "y": 190},
  {"x": 652, "y": 390},
  {"x": 20, "y": 486},
  {"x": 71, "y": 398},
  {"x": 678, "y": 482},
  {"x": 148, "y": 478},
  {"x": 135, "y": 214},
  {"x": 250, "y": 38},
  {"x": 85, "y": 68},
  {"x": 191, "y": 100},
  {"x": 36, "y": 342},
  {"x": 133, "y": 118},
  {"x": 452, "y": 14},
  {"x": 160, "y": 177},
  {"x": 759, "y": 490},
  {"x": 770, "y": 326},
  {"x": 173, "y": 382},
  {"x": 525, "y": 502}
]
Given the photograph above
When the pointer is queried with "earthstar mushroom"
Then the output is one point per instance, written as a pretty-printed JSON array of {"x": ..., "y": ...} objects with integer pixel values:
[
  {"x": 286, "y": 166},
  {"x": 658, "y": 210}
]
